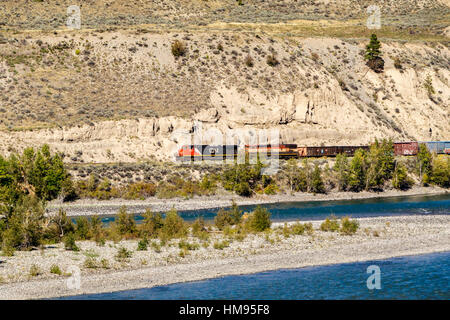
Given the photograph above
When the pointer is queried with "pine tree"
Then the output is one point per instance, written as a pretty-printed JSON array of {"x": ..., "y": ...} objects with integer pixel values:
[
  {"x": 317, "y": 185},
  {"x": 423, "y": 165},
  {"x": 373, "y": 54},
  {"x": 373, "y": 48},
  {"x": 341, "y": 168},
  {"x": 356, "y": 177}
]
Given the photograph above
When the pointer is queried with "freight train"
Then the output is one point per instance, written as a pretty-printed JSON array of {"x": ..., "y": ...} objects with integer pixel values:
[{"x": 288, "y": 151}]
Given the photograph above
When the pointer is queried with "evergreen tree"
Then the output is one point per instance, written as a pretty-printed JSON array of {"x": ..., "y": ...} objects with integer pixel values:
[
  {"x": 423, "y": 164},
  {"x": 400, "y": 178},
  {"x": 341, "y": 168},
  {"x": 373, "y": 54},
  {"x": 373, "y": 48},
  {"x": 356, "y": 176},
  {"x": 317, "y": 185}
]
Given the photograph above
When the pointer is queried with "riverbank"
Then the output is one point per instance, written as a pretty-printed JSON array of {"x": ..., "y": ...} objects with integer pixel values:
[
  {"x": 89, "y": 207},
  {"x": 377, "y": 238}
]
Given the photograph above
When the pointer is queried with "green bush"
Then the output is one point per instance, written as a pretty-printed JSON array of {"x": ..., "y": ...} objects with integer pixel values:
[
  {"x": 228, "y": 217},
  {"x": 400, "y": 178},
  {"x": 440, "y": 174},
  {"x": 188, "y": 246},
  {"x": 259, "y": 220},
  {"x": 124, "y": 223},
  {"x": 151, "y": 225},
  {"x": 123, "y": 254},
  {"x": 69, "y": 242},
  {"x": 173, "y": 226},
  {"x": 348, "y": 227},
  {"x": 142, "y": 244},
  {"x": 298, "y": 228},
  {"x": 330, "y": 224},
  {"x": 55, "y": 270},
  {"x": 220, "y": 245},
  {"x": 317, "y": 185},
  {"x": 82, "y": 228}
]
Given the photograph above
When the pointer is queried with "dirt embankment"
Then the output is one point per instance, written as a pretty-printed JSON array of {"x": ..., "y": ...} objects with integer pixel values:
[{"x": 319, "y": 91}]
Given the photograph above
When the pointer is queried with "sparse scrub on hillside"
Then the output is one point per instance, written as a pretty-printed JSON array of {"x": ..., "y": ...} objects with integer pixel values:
[{"x": 178, "y": 48}]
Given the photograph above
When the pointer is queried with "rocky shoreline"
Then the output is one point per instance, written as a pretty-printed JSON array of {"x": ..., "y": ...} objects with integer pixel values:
[
  {"x": 89, "y": 207},
  {"x": 377, "y": 238}
]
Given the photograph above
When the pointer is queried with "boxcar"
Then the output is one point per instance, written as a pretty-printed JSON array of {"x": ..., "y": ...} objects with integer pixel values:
[
  {"x": 206, "y": 152},
  {"x": 406, "y": 148},
  {"x": 436, "y": 146},
  {"x": 328, "y": 151},
  {"x": 283, "y": 151}
]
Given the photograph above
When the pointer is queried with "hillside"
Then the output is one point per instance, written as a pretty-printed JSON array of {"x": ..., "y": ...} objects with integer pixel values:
[{"x": 113, "y": 91}]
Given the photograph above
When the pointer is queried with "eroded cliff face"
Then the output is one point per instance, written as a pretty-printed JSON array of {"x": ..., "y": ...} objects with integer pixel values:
[{"x": 321, "y": 93}]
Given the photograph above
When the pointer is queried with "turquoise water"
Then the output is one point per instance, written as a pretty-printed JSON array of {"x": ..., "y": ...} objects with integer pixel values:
[
  {"x": 318, "y": 210},
  {"x": 413, "y": 277}
]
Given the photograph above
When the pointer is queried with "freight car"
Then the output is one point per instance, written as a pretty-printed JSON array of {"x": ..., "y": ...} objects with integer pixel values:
[
  {"x": 438, "y": 147},
  {"x": 406, "y": 148},
  {"x": 283, "y": 151},
  {"x": 331, "y": 151},
  {"x": 207, "y": 152}
]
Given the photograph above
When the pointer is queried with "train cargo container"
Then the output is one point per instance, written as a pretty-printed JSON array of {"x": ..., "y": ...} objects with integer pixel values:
[
  {"x": 406, "y": 148},
  {"x": 283, "y": 151},
  {"x": 436, "y": 146},
  {"x": 329, "y": 151}
]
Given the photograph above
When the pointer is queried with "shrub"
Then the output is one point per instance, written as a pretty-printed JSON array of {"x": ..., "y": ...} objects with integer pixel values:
[
  {"x": 330, "y": 224},
  {"x": 142, "y": 245},
  {"x": 249, "y": 61},
  {"x": 153, "y": 222},
  {"x": 34, "y": 270},
  {"x": 243, "y": 189},
  {"x": 400, "y": 178},
  {"x": 178, "y": 48},
  {"x": 348, "y": 227},
  {"x": 298, "y": 228},
  {"x": 139, "y": 190},
  {"x": 220, "y": 245},
  {"x": 441, "y": 171},
  {"x": 228, "y": 217},
  {"x": 90, "y": 263},
  {"x": 188, "y": 246},
  {"x": 82, "y": 228},
  {"x": 123, "y": 254},
  {"x": 259, "y": 220},
  {"x": 428, "y": 85},
  {"x": 55, "y": 270},
  {"x": 198, "y": 225},
  {"x": 156, "y": 246},
  {"x": 69, "y": 243},
  {"x": 398, "y": 64},
  {"x": 309, "y": 228},
  {"x": 125, "y": 224},
  {"x": 272, "y": 60},
  {"x": 173, "y": 226},
  {"x": 61, "y": 224},
  {"x": 317, "y": 185}
]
